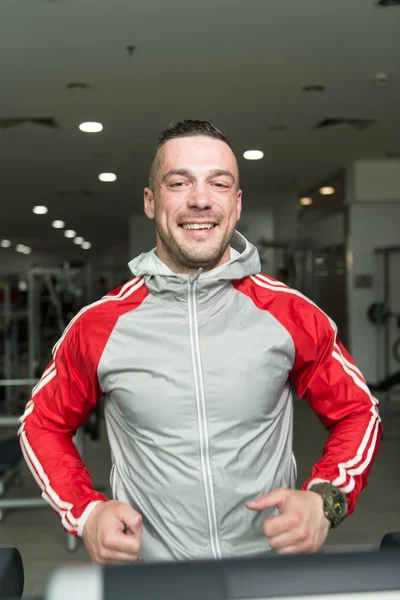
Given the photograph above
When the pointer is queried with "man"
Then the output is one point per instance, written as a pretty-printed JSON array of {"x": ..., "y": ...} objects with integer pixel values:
[{"x": 196, "y": 358}]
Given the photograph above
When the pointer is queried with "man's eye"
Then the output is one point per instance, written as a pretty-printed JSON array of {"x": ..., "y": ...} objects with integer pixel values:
[
  {"x": 177, "y": 184},
  {"x": 220, "y": 185}
]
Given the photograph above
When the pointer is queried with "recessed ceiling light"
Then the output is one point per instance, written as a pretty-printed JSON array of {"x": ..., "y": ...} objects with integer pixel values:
[
  {"x": 86, "y": 245},
  {"x": 107, "y": 177},
  {"x": 91, "y": 127},
  {"x": 70, "y": 233},
  {"x": 27, "y": 250},
  {"x": 58, "y": 224},
  {"x": 306, "y": 201},
  {"x": 78, "y": 240},
  {"x": 40, "y": 210},
  {"x": 20, "y": 248},
  {"x": 381, "y": 79},
  {"x": 327, "y": 190},
  {"x": 253, "y": 154},
  {"x": 5, "y": 243}
]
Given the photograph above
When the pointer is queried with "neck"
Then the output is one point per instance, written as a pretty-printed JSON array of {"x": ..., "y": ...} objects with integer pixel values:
[{"x": 186, "y": 269}]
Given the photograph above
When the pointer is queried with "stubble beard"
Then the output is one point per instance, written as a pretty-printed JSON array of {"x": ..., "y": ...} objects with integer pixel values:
[{"x": 186, "y": 259}]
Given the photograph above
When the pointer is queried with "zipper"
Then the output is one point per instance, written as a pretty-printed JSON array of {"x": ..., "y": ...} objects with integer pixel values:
[{"x": 202, "y": 419}]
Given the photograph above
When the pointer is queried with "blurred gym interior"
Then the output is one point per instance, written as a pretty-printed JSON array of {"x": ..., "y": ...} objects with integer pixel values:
[{"x": 312, "y": 87}]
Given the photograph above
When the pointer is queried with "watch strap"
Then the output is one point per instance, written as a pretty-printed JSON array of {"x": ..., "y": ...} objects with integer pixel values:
[{"x": 335, "y": 502}]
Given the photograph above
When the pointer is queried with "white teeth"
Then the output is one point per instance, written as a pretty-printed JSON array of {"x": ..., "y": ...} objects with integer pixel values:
[{"x": 198, "y": 226}]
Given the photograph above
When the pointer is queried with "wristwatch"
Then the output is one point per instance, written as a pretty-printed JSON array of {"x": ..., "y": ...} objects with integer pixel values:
[{"x": 335, "y": 502}]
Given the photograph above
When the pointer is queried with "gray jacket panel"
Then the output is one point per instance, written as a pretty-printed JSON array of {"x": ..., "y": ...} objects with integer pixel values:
[{"x": 199, "y": 410}]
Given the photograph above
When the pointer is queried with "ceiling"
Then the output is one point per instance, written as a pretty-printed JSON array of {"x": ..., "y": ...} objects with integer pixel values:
[{"x": 240, "y": 64}]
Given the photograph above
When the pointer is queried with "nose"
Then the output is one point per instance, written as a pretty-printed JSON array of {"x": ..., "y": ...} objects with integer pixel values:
[{"x": 199, "y": 198}]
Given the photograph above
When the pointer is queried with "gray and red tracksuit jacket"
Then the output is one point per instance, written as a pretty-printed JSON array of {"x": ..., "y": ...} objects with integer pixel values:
[{"x": 199, "y": 375}]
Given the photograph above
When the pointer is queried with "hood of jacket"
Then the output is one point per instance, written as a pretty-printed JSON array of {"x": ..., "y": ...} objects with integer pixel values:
[{"x": 160, "y": 279}]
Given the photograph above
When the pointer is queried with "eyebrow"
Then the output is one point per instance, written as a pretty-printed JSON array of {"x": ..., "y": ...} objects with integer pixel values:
[{"x": 188, "y": 173}]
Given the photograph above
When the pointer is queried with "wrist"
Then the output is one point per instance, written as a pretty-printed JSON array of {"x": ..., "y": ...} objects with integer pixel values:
[
  {"x": 87, "y": 514},
  {"x": 334, "y": 502},
  {"x": 320, "y": 500}
]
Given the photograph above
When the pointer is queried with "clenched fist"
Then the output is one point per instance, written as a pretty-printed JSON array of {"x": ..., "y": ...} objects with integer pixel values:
[
  {"x": 301, "y": 525},
  {"x": 113, "y": 533}
]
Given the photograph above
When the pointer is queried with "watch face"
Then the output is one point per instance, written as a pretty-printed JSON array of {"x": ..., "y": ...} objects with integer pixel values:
[
  {"x": 339, "y": 505},
  {"x": 335, "y": 503}
]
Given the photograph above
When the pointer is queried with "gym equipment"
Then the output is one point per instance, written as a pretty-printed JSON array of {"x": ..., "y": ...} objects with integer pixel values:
[
  {"x": 388, "y": 410},
  {"x": 55, "y": 295},
  {"x": 8, "y": 343},
  {"x": 298, "y": 257},
  {"x": 11, "y": 455},
  {"x": 11, "y": 574},
  {"x": 331, "y": 274},
  {"x": 90, "y": 428},
  {"x": 391, "y": 541},
  {"x": 320, "y": 576},
  {"x": 396, "y": 350},
  {"x": 386, "y": 384},
  {"x": 10, "y": 474},
  {"x": 378, "y": 314},
  {"x": 386, "y": 322},
  {"x": 92, "y": 425}
]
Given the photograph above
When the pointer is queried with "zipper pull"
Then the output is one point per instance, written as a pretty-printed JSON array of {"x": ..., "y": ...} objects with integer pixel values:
[{"x": 194, "y": 278}]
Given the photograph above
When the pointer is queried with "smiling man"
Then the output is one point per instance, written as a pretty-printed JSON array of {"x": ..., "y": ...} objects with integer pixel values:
[
  {"x": 197, "y": 359},
  {"x": 196, "y": 205}
]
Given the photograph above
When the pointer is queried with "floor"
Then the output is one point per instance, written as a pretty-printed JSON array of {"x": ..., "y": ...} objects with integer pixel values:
[{"x": 43, "y": 544}]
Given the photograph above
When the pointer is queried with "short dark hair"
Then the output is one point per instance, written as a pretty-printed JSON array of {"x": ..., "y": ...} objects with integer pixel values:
[{"x": 186, "y": 128}]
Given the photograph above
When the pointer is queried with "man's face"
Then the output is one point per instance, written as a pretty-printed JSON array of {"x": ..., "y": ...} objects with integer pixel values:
[{"x": 196, "y": 203}]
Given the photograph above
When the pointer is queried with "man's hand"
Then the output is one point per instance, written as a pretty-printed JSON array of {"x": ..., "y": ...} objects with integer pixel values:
[
  {"x": 301, "y": 525},
  {"x": 113, "y": 533}
]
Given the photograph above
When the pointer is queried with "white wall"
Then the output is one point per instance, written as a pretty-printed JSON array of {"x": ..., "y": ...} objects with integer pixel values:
[
  {"x": 327, "y": 231},
  {"x": 373, "y": 197},
  {"x": 285, "y": 218},
  {"x": 113, "y": 264},
  {"x": 142, "y": 235},
  {"x": 375, "y": 181},
  {"x": 257, "y": 224},
  {"x": 371, "y": 226}
]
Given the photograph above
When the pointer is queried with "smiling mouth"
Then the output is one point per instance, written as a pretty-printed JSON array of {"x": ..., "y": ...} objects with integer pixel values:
[{"x": 197, "y": 226}]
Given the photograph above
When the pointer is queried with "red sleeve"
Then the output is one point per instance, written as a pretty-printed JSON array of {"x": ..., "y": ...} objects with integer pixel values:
[
  {"x": 62, "y": 402},
  {"x": 326, "y": 376}
]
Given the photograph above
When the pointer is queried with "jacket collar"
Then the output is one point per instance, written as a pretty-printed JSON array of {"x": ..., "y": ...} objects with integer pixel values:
[{"x": 160, "y": 279}]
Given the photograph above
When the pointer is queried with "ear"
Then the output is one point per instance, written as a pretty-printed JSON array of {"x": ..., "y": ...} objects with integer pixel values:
[
  {"x": 239, "y": 204},
  {"x": 149, "y": 207}
]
